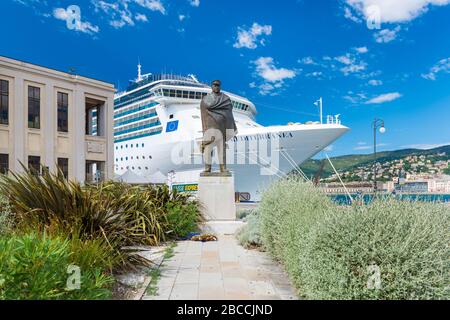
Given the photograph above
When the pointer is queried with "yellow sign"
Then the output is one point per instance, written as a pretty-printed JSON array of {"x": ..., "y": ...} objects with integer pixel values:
[{"x": 185, "y": 187}]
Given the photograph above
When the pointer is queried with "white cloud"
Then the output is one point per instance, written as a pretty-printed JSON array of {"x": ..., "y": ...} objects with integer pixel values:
[
  {"x": 85, "y": 27},
  {"x": 362, "y": 148},
  {"x": 375, "y": 82},
  {"x": 194, "y": 3},
  {"x": 367, "y": 147},
  {"x": 181, "y": 17},
  {"x": 426, "y": 146},
  {"x": 141, "y": 17},
  {"x": 386, "y": 35},
  {"x": 361, "y": 50},
  {"x": 387, "y": 97},
  {"x": 392, "y": 11},
  {"x": 349, "y": 15},
  {"x": 307, "y": 60},
  {"x": 266, "y": 69},
  {"x": 121, "y": 13},
  {"x": 315, "y": 74},
  {"x": 273, "y": 77},
  {"x": 351, "y": 64},
  {"x": 249, "y": 38},
  {"x": 443, "y": 66},
  {"x": 153, "y": 5},
  {"x": 355, "y": 98}
]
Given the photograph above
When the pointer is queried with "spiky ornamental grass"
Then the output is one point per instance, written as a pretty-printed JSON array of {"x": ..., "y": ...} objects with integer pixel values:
[
  {"x": 119, "y": 215},
  {"x": 332, "y": 252}
]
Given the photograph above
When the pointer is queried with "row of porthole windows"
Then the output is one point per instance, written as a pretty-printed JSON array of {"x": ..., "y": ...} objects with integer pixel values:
[
  {"x": 128, "y": 167},
  {"x": 131, "y": 158},
  {"x": 131, "y": 146}
]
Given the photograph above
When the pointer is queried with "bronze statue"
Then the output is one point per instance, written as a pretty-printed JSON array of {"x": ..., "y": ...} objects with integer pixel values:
[{"x": 218, "y": 126}]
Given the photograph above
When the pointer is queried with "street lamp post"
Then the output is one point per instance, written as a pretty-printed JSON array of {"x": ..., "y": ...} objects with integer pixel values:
[{"x": 377, "y": 124}]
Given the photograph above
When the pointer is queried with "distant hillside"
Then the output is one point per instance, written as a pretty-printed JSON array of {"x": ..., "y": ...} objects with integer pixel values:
[{"x": 349, "y": 162}]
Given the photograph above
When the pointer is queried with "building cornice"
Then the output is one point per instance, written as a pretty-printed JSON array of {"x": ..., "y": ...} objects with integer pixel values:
[{"x": 55, "y": 74}]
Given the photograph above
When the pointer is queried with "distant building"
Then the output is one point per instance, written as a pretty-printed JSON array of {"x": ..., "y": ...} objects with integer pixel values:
[
  {"x": 413, "y": 187},
  {"x": 352, "y": 187},
  {"x": 55, "y": 119}
]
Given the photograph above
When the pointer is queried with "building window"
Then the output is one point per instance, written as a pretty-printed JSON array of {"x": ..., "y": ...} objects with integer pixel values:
[
  {"x": 63, "y": 165},
  {"x": 34, "y": 164},
  {"x": 34, "y": 107},
  {"x": 4, "y": 101},
  {"x": 63, "y": 112},
  {"x": 4, "y": 163}
]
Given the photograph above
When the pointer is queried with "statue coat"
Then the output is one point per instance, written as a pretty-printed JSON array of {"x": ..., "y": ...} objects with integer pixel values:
[{"x": 217, "y": 113}]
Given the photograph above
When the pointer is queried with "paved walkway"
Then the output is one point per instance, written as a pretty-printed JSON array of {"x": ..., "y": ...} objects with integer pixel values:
[{"x": 221, "y": 270}]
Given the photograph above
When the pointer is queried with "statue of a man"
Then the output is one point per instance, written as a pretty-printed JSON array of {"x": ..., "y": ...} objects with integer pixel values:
[{"x": 218, "y": 125}]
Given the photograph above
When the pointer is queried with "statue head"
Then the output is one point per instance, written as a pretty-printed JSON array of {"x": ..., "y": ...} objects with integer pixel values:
[{"x": 216, "y": 86}]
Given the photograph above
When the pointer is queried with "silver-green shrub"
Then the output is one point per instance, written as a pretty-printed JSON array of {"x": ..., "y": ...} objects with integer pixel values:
[
  {"x": 250, "y": 234},
  {"x": 241, "y": 214},
  {"x": 387, "y": 250},
  {"x": 333, "y": 252},
  {"x": 289, "y": 208}
]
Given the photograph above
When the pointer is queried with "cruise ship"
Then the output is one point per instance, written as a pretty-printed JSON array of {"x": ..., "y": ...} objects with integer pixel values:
[{"x": 157, "y": 129}]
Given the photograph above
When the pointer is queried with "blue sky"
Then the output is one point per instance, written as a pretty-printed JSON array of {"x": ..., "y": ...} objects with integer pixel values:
[{"x": 366, "y": 58}]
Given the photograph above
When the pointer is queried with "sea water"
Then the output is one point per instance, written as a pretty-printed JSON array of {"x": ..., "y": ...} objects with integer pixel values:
[{"x": 343, "y": 199}]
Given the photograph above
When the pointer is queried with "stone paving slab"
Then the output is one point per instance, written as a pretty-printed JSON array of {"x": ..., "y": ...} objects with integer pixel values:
[{"x": 221, "y": 270}]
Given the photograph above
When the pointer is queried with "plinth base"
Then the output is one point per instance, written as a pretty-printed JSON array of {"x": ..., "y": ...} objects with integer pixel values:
[{"x": 216, "y": 195}]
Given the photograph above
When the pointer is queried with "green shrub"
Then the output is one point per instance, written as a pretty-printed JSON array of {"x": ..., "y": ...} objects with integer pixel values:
[
  {"x": 408, "y": 242},
  {"x": 250, "y": 234},
  {"x": 36, "y": 267},
  {"x": 332, "y": 252},
  {"x": 182, "y": 219}
]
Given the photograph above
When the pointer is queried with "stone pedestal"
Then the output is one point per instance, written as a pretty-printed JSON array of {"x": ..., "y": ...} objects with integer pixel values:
[{"x": 216, "y": 195}]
